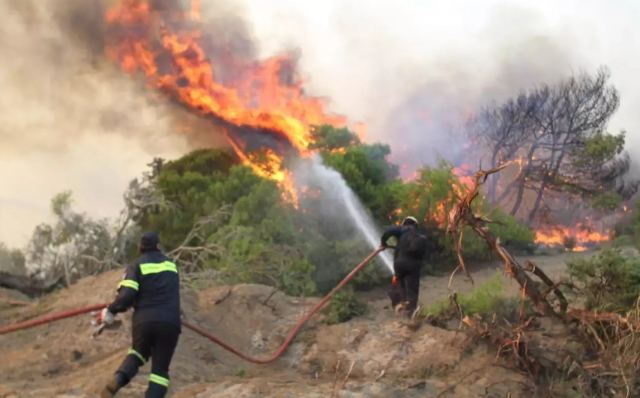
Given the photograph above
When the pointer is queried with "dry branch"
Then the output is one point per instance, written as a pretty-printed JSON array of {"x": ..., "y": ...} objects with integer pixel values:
[
  {"x": 462, "y": 215},
  {"x": 537, "y": 271}
]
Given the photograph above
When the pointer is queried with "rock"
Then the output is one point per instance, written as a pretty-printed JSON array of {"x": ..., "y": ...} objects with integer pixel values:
[{"x": 257, "y": 341}]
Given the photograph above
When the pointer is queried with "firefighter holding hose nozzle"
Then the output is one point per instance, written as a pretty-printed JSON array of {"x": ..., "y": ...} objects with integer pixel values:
[
  {"x": 409, "y": 253},
  {"x": 152, "y": 287}
]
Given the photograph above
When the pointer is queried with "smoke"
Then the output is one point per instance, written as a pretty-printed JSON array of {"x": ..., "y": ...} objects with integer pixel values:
[
  {"x": 414, "y": 72},
  {"x": 68, "y": 119}
]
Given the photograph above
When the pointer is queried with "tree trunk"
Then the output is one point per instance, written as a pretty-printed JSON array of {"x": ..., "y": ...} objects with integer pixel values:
[
  {"x": 546, "y": 179},
  {"x": 519, "y": 196},
  {"x": 523, "y": 177},
  {"x": 536, "y": 204},
  {"x": 493, "y": 185}
]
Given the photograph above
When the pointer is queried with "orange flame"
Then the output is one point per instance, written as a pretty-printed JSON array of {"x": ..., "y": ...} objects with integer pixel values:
[
  {"x": 465, "y": 175},
  {"x": 175, "y": 63},
  {"x": 582, "y": 236}
]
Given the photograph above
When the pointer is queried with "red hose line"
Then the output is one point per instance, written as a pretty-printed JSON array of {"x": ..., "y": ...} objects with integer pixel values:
[
  {"x": 49, "y": 318},
  {"x": 261, "y": 361},
  {"x": 292, "y": 334}
]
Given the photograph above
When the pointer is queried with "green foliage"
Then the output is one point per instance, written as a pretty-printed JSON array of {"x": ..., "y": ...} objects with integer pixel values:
[
  {"x": 622, "y": 241},
  {"x": 344, "y": 306},
  {"x": 599, "y": 148},
  {"x": 194, "y": 186},
  {"x": 363, "y": 166},
  {"x": 433, "y": 194},
  {"x": 72, "y": 247},
  {"x": 329, "y": 138},
  {"x": 256, "y": 242},
  {"x": 511, "y": 232},
  {"x": 12, "y": 260},
  {"x": 609, "y": 281},
  {"x": 486, "y": 299},
  {"x": 61, "y": 203}
]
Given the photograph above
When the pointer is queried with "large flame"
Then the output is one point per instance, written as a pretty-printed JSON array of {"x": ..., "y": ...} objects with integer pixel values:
[
  {"x": 577, "y": 238},
  {"x": 166, "y": 47}
]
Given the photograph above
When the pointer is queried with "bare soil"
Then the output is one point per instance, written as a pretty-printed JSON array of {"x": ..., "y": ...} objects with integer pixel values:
[{"x": 375, "y": 355}]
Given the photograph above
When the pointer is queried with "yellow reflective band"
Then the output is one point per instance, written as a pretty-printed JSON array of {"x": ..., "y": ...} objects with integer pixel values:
[
  {"x": 154, "y": 268},
  {"x": 129, "y": 283},
  {"x": 154, "y": 378},
  {"x": 137, "y": 354}
]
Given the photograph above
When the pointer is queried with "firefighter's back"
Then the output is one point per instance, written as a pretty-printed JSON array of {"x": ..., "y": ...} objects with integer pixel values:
[{"x": 159, "y": 295}]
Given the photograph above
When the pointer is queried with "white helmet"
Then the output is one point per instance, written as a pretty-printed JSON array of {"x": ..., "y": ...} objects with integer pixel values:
[{"x": 410, "y": 220}]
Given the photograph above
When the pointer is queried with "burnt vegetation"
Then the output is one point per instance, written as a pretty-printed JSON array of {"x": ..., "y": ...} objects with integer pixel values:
[
  {"x": 557, "y": 135},
  {"x": 587, "y": 346}
]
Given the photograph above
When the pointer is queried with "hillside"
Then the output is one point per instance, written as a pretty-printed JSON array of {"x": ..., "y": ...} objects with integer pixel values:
[{"x": 375, "y": 355}]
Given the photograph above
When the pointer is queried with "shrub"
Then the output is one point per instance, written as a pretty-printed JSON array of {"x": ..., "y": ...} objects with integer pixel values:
[
  {"x": 487, "y": 298},
  {"x": 344, "y": 306},
  {"x": 623, "y": 241},
  {"x": 609, "y": 281}
]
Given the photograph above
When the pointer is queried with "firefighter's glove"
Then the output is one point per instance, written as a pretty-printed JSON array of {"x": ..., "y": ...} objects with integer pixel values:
[{"x": 106, "y": 317}]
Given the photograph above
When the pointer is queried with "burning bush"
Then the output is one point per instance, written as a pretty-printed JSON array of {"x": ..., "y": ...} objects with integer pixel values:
[{"x": 432, "y": 195}]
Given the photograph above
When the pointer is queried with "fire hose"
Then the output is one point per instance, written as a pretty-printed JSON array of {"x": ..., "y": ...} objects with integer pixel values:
[{"x": 261, "y": 361}]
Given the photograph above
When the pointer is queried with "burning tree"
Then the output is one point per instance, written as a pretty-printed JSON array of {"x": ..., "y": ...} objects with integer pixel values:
[
  {"x": 557, "y": 135},
  {"x": 259, "y": 105}
]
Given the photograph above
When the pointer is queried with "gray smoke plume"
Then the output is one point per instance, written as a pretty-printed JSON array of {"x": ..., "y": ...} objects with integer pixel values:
[
  {"x": 415, "y": 71},
  {"x": 68, "y": 118}
]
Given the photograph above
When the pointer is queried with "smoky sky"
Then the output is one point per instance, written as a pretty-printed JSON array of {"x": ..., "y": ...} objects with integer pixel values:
[
  {"x": 69, "y": 119},
  {"x": 412, "y": 71}
]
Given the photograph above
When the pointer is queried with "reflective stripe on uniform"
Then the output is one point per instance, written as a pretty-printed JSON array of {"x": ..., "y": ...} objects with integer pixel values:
[
  {"x": 129, "y": 283},
  {"x": 137, "y": 354},
  {"x": 154, "y": 268},
  {"x": 163, "y": 381}
]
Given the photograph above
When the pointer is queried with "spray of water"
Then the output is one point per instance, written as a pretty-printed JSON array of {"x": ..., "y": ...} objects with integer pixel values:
[{"x": 340, "y": 201}]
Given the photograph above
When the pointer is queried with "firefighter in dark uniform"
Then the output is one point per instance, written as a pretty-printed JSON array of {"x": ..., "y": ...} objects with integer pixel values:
[
  {"x": 408, "y": 257},
  {"x": 152, "y": 287}
]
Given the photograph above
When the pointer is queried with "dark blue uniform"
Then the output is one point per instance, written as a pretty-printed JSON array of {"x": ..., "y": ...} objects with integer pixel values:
[
  {"x": 407, "y": 261},
  {"x": 151, "y": 286}
]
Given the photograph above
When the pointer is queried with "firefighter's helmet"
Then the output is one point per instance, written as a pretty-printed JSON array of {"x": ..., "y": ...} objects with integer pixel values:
[{"x": 410, "y": 220}]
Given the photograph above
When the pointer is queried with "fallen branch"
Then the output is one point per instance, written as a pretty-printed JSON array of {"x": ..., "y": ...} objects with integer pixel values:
[
  {"x": 462, "y": 215},
  {"x": 537, "y": 271}
]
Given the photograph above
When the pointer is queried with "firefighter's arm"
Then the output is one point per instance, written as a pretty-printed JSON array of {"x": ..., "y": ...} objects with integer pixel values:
[
  {"x": 127, "y": 290},
  {"x": 388, "y": 233}
]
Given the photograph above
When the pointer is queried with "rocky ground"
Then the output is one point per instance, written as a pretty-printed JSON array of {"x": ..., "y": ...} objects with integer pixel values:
[{"x": 375, "y": 355}]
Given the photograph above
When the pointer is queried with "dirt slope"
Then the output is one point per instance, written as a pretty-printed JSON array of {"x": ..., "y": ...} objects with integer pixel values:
[{"x": 376, "y": 355}]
